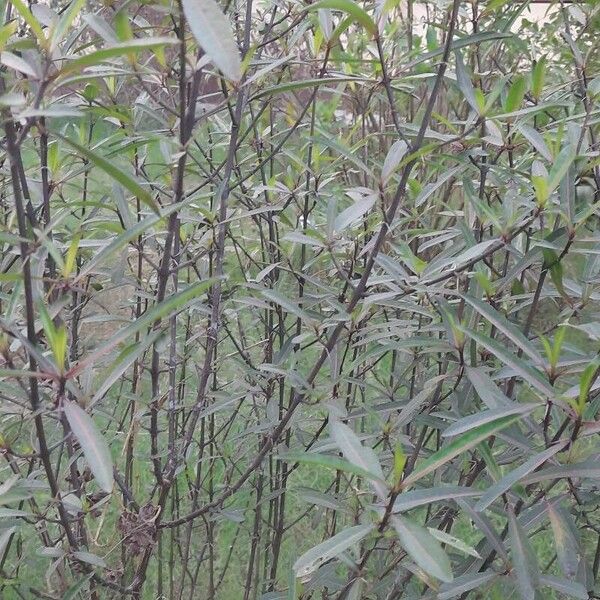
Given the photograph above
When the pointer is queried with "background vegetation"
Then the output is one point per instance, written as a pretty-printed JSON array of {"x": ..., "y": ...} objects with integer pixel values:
[{"x": 299, "y": 300}]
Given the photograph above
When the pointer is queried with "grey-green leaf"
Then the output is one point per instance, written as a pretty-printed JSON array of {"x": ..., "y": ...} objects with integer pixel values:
[
  {"x": 93, "y": 444},
  {"x": 524, "y": 562},
  {"x": 213, "y": 32},
  {"x": 516, "y": 475},
  {"x": 467, "y": 423},
  {"x": 416, "y": 498},
  {"x": 354, "y": 452},
  {"x": 311, "y": 560},
  {"x": 423, "y": 548}
]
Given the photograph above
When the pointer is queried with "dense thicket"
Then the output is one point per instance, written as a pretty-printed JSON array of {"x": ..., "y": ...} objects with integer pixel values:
[{"x": 299, "y": 300}]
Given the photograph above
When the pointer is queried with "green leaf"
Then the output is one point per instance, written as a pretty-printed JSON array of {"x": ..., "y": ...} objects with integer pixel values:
[
  {"x": 67, "y": 18},
  {"x": 6, "y": 32},
  {"x": 73, "y": 592},
  {"x": 538, "y": 77},
  {"x": 71, "y": 255},
  {"x": 486, "y": 389},
  {"x": 560, "y": 166},
  {"x": 585, "y": 383},
  {"x": 393, "y": 158},
  {"x": 464, "y": 583},
  {"x": 213, "y": 32},
  {"x": 76, "y": 65},
  {"x": 572, "y": 589},
  {"x": 306, "y": 83},
  {"x": 125, "y": 359},
  {"x": 123, "y": 238},
  {"x": 93, "y": 444},
  {"x": 5, "y": 537},
  {"x": 459, "y": 446},
  {"x": 352, "y": 9},
  {"x": 423, "y": 548},
  {"x": 536, "y": 140},
  {"x": 33, "y": 23},
  {"x": 109, "y": 168},
  {"x": 310, "y": 561},
  {"x": 515, "y": 95},
  {"x": 325, "y": 460},
  {"x": 89, "y": 558},
  {"x": 13, "y": 513}
]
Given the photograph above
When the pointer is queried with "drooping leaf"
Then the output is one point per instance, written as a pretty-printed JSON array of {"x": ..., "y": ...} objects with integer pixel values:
[
  {"x": 566, "y": 544},
  {"x": 524, "y": 562},
  {"x": 93, "y": 444},
  {"x": 423, "y": 548},
  {"x": 515, "y": 95},
  {"x": 464, "y": 83},
  {"x": 127, "y": 181},
  {"x": 357, "y": 454},
  {"x": 393, "y": 158},
  {"x": 213, "y": 32},
  {"x": 351, "y": 8}
]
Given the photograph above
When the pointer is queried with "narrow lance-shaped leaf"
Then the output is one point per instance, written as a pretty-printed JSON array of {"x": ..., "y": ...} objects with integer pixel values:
[
  {"x": 109, "y": 168},
  {"x": 487, "y": 416},
  {"x": 568, "y": 550},
  {"x": 515, "y": 95},
  {"x": 514, "y": 477},
  {"x": 213, "y": 32},
  {"x": 505, "y": 327},
  {"x": 28, "y": 17},
  {"x": 529, "y": 374},
  {"x": 352, "y": 9},
  {"x": 356, "y": 453},
  {"x": 423, "y": 548},
  {"x": 353, "y": 213},
  {"x": 93, "y": 444},
  {"x": 393, "y": 158},
  {"x": 331, "y": 462},
  {"x": 65, "y": 22},
  {"x": 415, "y": 498},
  {"x": 459, "y": 446},
  {"x": 75, "y": 65},
  {"x": 451, "y": 540},
  {"x": 161, "y": 310},
  {"x": 311, "y": 560},
  {"x": 523, "y": 559},
  {"x": 464, "y": 83}
]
